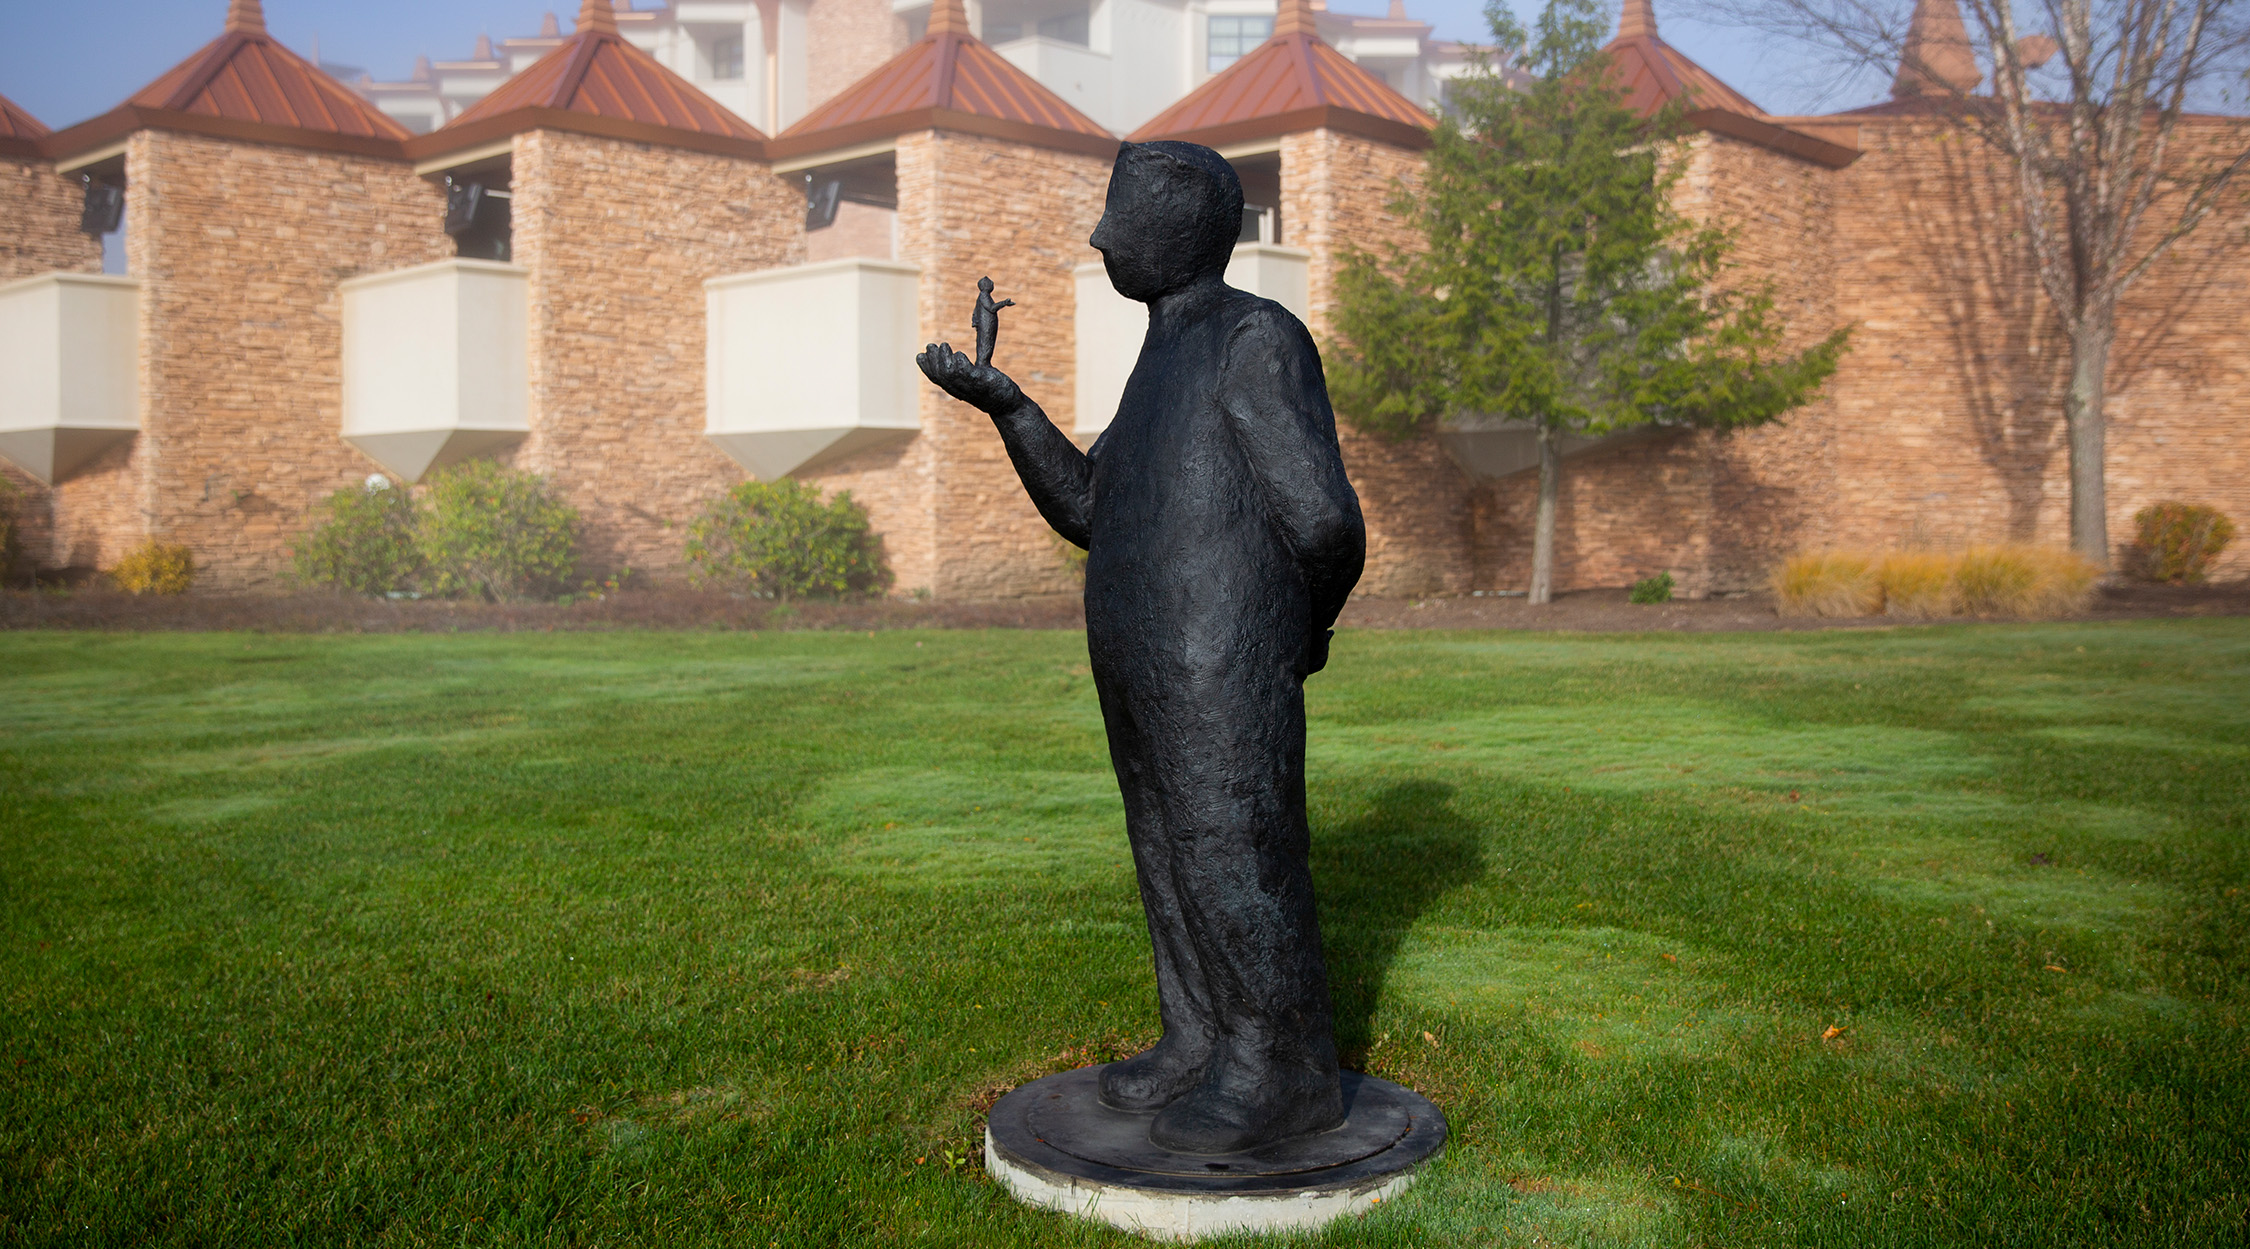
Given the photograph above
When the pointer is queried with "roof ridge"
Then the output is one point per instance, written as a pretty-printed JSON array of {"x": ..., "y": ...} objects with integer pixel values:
[
  {"x": 611, "y": 88},
  {"x": 946, "y": 80},
  {"x": 1293, "y": 81}
]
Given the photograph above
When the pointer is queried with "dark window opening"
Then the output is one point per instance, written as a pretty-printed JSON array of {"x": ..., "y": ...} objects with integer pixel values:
[
  {"x": 1261, "y": 197},
  {"x": 873, "y": 181}
]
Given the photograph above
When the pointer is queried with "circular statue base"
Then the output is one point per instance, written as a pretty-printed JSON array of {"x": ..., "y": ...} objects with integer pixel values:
[{"x": 1053, "y": 1144}]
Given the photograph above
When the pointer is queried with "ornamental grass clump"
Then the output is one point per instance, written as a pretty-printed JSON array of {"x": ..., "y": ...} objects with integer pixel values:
[
  {"x": 155, "y": 568},
  {"x": 363, "y": 541},
  {"x": 492, "y": 531},
  {"x": 780, "y": 540},
  {"x": 1827, "y": 583},
  {"x": 1917, "y": 585},
  {"x": 2014, "y": 579},
  {"x": 2178, "y": 542}
]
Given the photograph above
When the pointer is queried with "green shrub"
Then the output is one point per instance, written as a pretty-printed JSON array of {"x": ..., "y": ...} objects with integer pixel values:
[
  {"x": 362, "y": 541},
  {"x": 2179, "y": 541},
  {"x": 779, "y": 540},
  {"x": 155, "y": 568},
  {"x": 490, "y": 530},
  {"x": 1656, "y": 589}
]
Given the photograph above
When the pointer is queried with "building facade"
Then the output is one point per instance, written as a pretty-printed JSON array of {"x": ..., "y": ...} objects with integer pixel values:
[
  {"x": 773, "y": 61},
  {"x": 600, "y": 272}
]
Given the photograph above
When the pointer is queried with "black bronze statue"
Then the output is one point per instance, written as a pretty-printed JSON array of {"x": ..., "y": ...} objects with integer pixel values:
[
  {"x": 986, "y": 319},
  {"x": 1223, "y": 538}
]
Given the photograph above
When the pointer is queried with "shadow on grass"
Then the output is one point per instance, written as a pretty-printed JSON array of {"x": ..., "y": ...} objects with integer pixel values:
[{"x": 1375, "y": 875}]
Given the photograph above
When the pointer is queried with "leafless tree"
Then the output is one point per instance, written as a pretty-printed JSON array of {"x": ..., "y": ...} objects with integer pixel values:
[{"x": 2095, "y": 104}]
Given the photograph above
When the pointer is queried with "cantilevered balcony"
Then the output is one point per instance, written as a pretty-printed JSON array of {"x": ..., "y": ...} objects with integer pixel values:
[
  {"x": 810, "y": 364},
  {"x": 69, "y": 370},
  {"x": 436, "y": 363},
  {"x": 1110, "y": 327}
]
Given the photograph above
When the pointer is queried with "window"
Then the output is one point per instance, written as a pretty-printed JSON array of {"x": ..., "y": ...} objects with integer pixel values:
[
  {"x": 726, "y": 58},
  {"x": 1231, "y": 37}
]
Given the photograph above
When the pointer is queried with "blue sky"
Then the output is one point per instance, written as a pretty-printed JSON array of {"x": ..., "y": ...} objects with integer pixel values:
[{"x": 71, "y": 60}]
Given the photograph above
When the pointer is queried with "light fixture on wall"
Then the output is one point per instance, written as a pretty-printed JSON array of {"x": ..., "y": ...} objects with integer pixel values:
[
  {"x": 480, "y": 220},
  {"x": 104, "y": 210},
  {"x": 821, "y": 199}
]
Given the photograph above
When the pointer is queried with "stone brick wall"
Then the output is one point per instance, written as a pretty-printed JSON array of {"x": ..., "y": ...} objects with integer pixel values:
[
  {"x": 239, "y": 249},
  {"x": 619, "y": 238},
  {"x": 845, "y": 40},
  {"x": 954, "y": 517},
  {"x": 1335, "y": 189},
  {"x": 40, "y": 208}
]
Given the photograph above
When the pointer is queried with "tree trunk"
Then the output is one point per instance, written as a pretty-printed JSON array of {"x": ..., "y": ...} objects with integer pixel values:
[
  {"x": 1543, "y": 529},
  {"x": 2087, "y": 422}
]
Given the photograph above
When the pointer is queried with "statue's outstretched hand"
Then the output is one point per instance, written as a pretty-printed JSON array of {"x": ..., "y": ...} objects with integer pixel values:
[{"x": 979, "y": 385}]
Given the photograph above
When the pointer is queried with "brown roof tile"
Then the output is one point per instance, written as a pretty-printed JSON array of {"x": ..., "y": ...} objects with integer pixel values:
[
  {"x": 20, "y": 132},
  {"x": 948, "y": 81},
  {"x": 245, "y": 85},
  {"x": 596, "y": 83},
  {"x": 1292, "y": 82},
  {"x": 1654, "y": 74}
]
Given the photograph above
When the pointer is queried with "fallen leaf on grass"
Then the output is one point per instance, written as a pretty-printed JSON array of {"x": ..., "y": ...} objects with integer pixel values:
[
  {"x": 2052, "y": 967},
  {"x": 1832, "y": 1033},
  {"x": 1430, "y": 1038},
  {"x": 1669, "y": 958}
]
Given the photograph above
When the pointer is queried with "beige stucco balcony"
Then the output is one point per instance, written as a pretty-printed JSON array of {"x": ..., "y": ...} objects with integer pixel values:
[
  {"x": 436, "y": 363},
  {"x": 809, "y": 364},
  {"x": 1110, "y": 327},
  {"x": 69, "y": 370}
]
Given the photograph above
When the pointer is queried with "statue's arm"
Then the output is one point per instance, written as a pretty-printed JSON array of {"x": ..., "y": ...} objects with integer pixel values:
[
  {"x": 1276, "y": 401},
  {"x": 1055, "y": 473}
]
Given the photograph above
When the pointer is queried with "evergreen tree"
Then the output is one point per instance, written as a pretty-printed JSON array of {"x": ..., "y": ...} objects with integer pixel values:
[{"x": 1555, "y": 283}]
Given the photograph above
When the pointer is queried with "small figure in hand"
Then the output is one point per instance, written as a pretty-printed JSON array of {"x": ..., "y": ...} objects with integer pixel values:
[{"x": 986, "y": 320}]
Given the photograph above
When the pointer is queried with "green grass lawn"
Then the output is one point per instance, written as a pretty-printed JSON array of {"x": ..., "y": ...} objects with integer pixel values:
[{"x": 1934, "y": 936}]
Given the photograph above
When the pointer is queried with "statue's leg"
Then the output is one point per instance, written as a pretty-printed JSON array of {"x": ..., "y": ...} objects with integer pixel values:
[
  {"x": 1233, "y": 798},
  {"x": 1153, "y": 1078}
]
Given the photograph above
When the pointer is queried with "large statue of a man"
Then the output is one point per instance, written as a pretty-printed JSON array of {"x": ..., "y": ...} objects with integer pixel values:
[{"x": 1222, "y": 539}]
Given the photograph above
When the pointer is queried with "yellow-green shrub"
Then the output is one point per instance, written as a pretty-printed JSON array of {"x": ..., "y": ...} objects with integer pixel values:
[
  {"x": 2015, "y": 579},
  {"x": 155, "y": 568},
  {"x": 1827, "y": 583},
  {"x": 2177, "y": 542},
  {"x": 1917, "y": 584},
  {"x": 2064, "y": 582}
]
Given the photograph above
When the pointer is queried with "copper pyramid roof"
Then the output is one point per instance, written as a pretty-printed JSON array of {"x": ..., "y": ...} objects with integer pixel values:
[
  {"x": 245, "y": 85},
  {"x": 1655, "y": 74},
  {"x": 20, "y": 132},
  {"x": 1291, "y": 82},
  {"x": 948, "y": 81},
  {"x": 596, "y": 83}
]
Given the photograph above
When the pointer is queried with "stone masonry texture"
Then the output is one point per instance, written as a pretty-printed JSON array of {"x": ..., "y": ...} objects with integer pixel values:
[
  {"x": 955, "y": 520},
  {"x": 1943, "y": 426},
  {"x": 619, "y": 239},
  {"x": 239, "y": 249},
  {"x": 38, "y": 234}
]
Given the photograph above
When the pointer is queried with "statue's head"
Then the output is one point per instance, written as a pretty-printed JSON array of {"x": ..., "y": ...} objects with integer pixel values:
[{"x": 1174, "y": 213}]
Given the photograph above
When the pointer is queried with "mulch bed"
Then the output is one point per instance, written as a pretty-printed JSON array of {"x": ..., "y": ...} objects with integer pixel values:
[{"x": 94, "y": 608}]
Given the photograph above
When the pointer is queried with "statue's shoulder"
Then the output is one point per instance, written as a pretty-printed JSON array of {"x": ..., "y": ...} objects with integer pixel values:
[{"x": 1258, "y": 326}]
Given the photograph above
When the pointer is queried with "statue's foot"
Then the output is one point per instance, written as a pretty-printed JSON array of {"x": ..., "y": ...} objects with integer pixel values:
[
  {"x": 1153, "y": 1078},
  {"x": 1242, "y": 1113}
]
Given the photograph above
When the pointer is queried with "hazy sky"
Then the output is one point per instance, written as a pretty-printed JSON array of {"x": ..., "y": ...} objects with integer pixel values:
[{"x": 74, "y": 59}]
